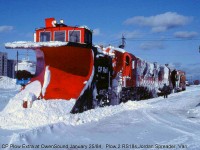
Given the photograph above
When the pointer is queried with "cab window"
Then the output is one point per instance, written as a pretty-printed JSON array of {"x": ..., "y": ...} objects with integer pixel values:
[
  {"x": 59, "y": 36},
  {"x": 74, "y": 36},
  {"x": 45, "y": 36}
]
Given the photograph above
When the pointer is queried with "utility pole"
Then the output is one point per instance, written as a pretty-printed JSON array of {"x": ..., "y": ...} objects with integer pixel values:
[
  {"x": 123, "y": 42},
  {"x": 17, "y": 60}
]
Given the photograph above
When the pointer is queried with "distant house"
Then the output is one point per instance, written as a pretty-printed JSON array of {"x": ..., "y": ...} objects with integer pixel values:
[{"x": 7, "y": 66}]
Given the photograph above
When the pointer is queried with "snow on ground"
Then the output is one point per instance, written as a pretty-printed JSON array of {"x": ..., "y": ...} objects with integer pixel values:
[
  {"x": 42, "y": 112},
  {"x": 149, "y": 124},
  {"x": 8, "y": 83},
  {"x": 8, "y": 89},
  {"x": 194, "y": 112}
]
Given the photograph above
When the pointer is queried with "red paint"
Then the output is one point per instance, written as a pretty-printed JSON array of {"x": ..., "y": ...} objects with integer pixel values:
[
  {"x": 121, "y": 63},
  {"x": 49, "y": 22},
  {"x": 69, "y": 68},
  {"x": 25, "y": 104}
]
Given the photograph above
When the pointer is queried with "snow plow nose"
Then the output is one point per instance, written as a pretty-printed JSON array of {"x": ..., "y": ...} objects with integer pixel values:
[{"x": 68, "y": 69}]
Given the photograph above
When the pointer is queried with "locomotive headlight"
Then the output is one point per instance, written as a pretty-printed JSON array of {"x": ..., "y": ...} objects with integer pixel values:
[
  {"x": 61, "y": 21},
  {"x": 54, "y": 22}
]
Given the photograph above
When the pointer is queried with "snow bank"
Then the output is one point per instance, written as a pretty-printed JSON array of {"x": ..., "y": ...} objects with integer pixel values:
[
  {"x": 195, "y": 112},
  {"x": 154, "y": 122},
  {"x": 42, "y": 112},
  {"x": 100, "y": 113},
  {"x": 8, "y": 83},
  {"x": 34, "y": 87},
  {"x": 29, "y": 44}
]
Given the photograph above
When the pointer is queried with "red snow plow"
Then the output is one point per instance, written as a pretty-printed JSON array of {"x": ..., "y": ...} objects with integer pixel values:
[
  {"x": 70, "y": 68},
  {"x": 64, "y": 59}
]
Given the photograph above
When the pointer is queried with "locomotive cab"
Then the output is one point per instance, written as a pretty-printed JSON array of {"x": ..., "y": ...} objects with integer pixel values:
[{"x": 54, "y": 31}]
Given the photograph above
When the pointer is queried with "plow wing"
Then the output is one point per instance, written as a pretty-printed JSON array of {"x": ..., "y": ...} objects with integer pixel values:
[{"x": 63, "y": 69}]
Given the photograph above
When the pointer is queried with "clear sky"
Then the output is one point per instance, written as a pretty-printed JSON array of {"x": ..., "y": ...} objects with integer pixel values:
[{"x": 163, "y": 31}]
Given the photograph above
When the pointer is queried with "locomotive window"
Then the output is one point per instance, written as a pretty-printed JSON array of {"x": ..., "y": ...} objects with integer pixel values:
[
  {"x": 59, "y": 36},
  {"x": 88, "y": 37},
  {"x": 127, "y": 61},
  {"x": 45, "y": 36},
  {"x": 74, "y": 36}
]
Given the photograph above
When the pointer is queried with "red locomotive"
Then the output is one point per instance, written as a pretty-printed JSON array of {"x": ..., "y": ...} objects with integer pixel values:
[{"x": 70, "y": 67}]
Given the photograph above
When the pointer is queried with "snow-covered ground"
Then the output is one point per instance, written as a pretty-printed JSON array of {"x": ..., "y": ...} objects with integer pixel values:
[
  {"x": 149, "y": 124},
  {"x": 8, "y": 89}
]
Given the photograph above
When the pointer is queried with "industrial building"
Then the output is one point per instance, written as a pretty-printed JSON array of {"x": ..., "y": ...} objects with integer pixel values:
[
  {"x": 3, "y": 64},
  {"x": 7, "y": 66}
]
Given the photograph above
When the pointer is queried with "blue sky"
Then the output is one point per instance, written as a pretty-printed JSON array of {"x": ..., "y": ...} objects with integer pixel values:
[{"x": 163, "y": 31}]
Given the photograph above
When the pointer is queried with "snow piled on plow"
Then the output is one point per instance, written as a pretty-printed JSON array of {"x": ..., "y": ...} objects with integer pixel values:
[{"x": 29, "y": 44}]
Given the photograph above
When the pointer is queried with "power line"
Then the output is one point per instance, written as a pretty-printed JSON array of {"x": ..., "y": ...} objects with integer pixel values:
[
  {"x": 175, "y": 55},
  {"x": 153, "y": 39},
  {"x": 167, "y": 39}
]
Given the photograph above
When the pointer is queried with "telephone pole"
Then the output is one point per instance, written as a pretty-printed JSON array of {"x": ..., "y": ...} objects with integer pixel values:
[{"x": 17, "y": 60}]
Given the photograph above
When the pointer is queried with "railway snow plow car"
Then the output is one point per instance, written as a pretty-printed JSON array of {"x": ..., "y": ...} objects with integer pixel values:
[
  {"x": 65, "y": 63},
  {"x": 69, "y": 67}
]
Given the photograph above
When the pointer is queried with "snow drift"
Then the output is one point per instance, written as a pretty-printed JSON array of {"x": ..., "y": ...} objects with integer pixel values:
[
  {"x": 8, "y": 83},
  {"x": 194, "y": 112},
  {"x": 43, "y": 112}
]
